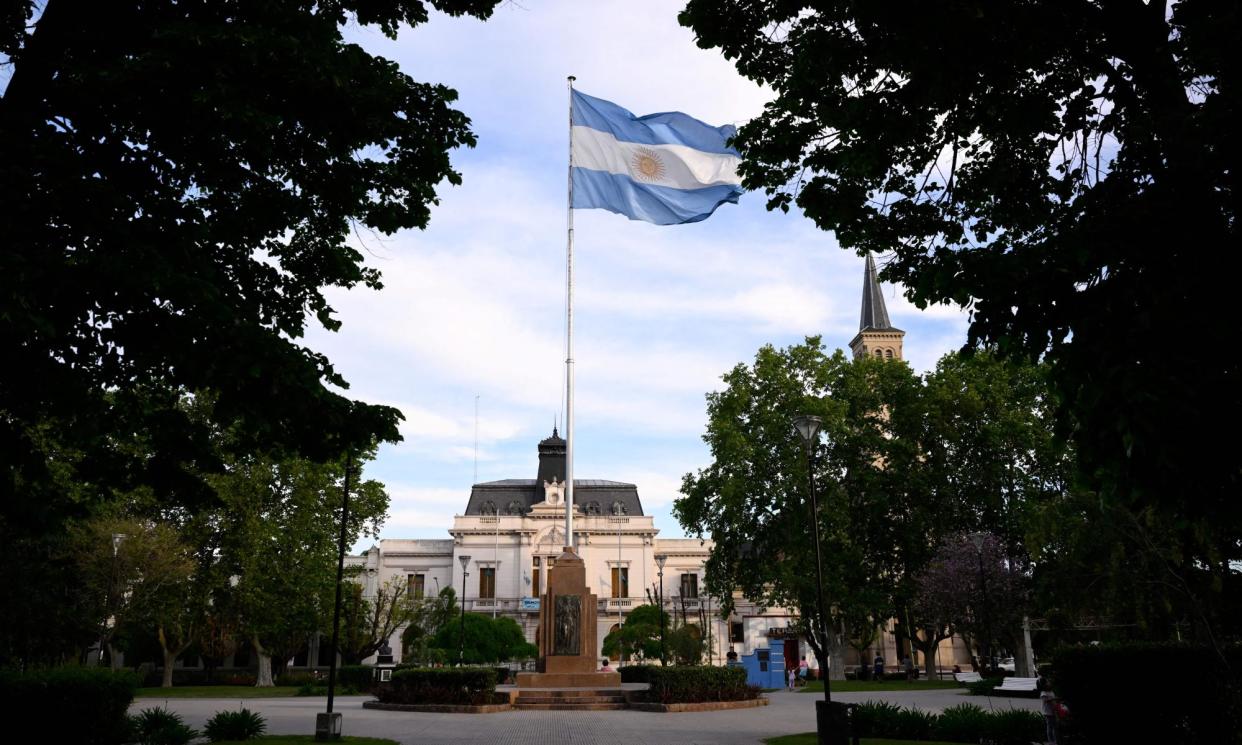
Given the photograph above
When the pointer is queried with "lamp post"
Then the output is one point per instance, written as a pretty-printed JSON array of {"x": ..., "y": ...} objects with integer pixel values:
[
  {"x": 659, "y": 560},
  {"x": 328, "y": 724},
  {"x": 117, "y": 540},
  {"x": 808, "y": 427},
  {"x": 980, "y": 539},
  {"x": 461, "y": 638}
]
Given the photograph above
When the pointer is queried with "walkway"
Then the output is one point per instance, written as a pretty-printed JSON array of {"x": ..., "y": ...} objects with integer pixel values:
[{"x": 787, "y": 713}]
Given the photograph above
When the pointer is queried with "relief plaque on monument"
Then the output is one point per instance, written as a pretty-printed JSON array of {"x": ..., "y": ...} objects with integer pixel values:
[{"x": 568, "y": 617}]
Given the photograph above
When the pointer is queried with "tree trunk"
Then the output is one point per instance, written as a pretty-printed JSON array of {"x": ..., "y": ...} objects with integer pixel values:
[
  {"x": 114, "y": 661},
  {"x": 170, "y": 659},
  {"x": 836, "y": 659},
  {"x": 263, "y": 678}
]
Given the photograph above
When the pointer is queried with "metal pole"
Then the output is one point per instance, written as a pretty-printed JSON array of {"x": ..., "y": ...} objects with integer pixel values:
[
  {"x": 496, "y": 563},
  {"x": 663, "y": 653},
  {"x": 620, "y": 621},
  {"x": 340, "y": 575},
  {"x": 819, "y": 573},
  {"x": 461, "y": 638},
  {"x": 569, "y": 334}
]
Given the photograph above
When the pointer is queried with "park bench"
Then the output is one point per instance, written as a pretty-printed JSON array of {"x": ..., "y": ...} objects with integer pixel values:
[
  {"x": 1018, "y": 685},
  {"x": 967, "y": 677}
]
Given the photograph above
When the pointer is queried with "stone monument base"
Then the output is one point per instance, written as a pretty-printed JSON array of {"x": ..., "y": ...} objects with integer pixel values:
[{"x": 569, "y": 680}]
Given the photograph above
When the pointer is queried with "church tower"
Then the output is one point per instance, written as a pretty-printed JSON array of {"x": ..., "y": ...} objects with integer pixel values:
[{"x": 876, "y": 335}]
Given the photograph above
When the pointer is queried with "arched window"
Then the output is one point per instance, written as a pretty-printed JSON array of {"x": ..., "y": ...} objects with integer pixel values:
[
  {"x": 515, "y": 508},
  {"x": 593, "y": 508},
  {"x": 618, "y": 508},
  {"x": 879, "y": 353},
  {"x": 888, "y": 354},
  {"x": 489, "y": 508}
]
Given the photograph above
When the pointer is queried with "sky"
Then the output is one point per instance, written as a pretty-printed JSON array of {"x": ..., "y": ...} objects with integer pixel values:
[{"x": 472, "y": 309}]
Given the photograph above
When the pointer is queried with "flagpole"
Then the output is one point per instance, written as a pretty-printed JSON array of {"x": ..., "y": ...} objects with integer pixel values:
[{"x": 569, "y": 335}]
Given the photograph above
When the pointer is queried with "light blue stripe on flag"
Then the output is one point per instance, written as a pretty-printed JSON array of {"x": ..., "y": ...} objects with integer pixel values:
[
  {"x": 661, "y": 205},
  {"x": 665, "y": 168},
  {"x": 669, "y": 128}
]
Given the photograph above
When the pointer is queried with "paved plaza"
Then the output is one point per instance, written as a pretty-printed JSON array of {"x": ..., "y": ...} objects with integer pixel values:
[{"x": 787, "y": 713}]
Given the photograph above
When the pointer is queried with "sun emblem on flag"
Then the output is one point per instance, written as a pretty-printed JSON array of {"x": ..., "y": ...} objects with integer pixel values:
[{"x": 646, "y": 165}]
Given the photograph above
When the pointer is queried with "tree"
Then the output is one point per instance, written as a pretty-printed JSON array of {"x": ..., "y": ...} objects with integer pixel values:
[
  {"x": 131, "y": 568},
  {"x": 181, "y": 183},
  {"x": 487, "y": 640},
  {"x": 903, "y": 463},
  {"x": 428, "y": 615},
  {"x": 279, "y": 530},
  {"x": 368, "y": 623},
  {"x": 974, "y": 590},
  {"x": 639, "y": 635},
  {"x": 1065, "y": 170}
]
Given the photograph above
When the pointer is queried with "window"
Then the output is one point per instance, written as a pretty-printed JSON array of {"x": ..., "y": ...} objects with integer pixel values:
[
  {"x": 534, "y": 576},
  {"x": 487, "y": 582},
  {"x": 689, "y": 585},
  {"x": 620, "y": 582},
  {"x": 418, "y": 585},
  {"x": 888, "y": 354},
  {"x": 736, "y": 635},
  {"x": 879, "y": 353}
]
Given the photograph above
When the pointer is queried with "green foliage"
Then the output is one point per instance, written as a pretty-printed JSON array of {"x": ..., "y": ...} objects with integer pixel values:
[
  {"x": 72, "y": 705},
  {"x": 983, "y": 687},
  {"x": 681, "y": 684},
  {"x": 1204, "y": 706},
  {"x": 1016, "y": 727},
  {"x": 357, "y": 677},
  {"x": 875, "y": 718},
  {"x": 904, "y": 462},
  {"x": 159, "y": 726},
  {"x": 242, "y": 724},
  {"x": 1031, "y": 181},
  {"x": 368, "y": 623},
  {"x": 686, "y": 644},
  {"x": 636, "y": 673},
  {"x": 487, "y": 639},
  {"x": 962, "y": 723},
  {"x": 471, "y": 686},
  {"x": 639, "y": 635}
]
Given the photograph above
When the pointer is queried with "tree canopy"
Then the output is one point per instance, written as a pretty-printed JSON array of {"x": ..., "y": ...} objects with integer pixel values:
[
  {"x": 180, "y": 184},
  {"x": 1068, "y": 172}
]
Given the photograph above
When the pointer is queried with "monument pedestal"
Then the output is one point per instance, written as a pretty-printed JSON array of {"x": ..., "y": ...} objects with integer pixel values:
[{"x": 567, "y": 632}]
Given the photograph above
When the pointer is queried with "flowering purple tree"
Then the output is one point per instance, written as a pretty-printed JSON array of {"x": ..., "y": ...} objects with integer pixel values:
[{"x": 970, "y": 587}]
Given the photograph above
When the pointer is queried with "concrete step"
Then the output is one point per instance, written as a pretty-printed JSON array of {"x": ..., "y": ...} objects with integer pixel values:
[
  {"x": 567, "y": 707},
  {"x": 524, "y": 693},
  {"x": 570, "y": 700}
]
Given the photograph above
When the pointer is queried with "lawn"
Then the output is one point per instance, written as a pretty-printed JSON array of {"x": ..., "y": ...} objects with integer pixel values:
[
  {"x": 233, "y": 692},
  {"x": 808, "y": 738},
  {"x": 301, "y": 739},
  {"x": 854, "y": 686}
]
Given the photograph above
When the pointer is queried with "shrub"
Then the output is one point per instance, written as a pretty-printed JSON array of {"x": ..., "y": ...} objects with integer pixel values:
[
  {"x": 357, "y": 677},
  {"x": 71, "y": 705},
  {"x": 300, "y": 678},
  {"x": 159, "y": 726},
  {"x": 875, "y": 718},
  {"x": 1202, "y": 705},
  {"x": 463, "y": 686},
  {"x": 636, "y": 673},
  {"x": 1015, "y": 727},
  {"x": 983, "y": 687},
  {"x": 234, "y": 725},
  {"x": 962, "y": 723},
  {"x": 238, "y": 679},
  {"x": 688, "y": 684},
  {"x": 912, "y": 724}
]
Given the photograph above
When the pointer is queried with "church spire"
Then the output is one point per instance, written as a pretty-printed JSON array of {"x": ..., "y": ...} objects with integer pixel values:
[
  {"x": 876, "y": 335},
  {"x": 874, "y": 314}
]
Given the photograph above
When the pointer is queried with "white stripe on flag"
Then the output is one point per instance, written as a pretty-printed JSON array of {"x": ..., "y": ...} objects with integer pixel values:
[{"x": 676, "y": 166}]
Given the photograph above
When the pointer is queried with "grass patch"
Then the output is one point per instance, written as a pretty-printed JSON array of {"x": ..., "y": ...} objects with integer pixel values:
[
  {"x": 808, "y": 738},
  {"x": 305, "y": 739},
  {"x": 231, "y": 692},
  {"x": 855, "y": 686}
]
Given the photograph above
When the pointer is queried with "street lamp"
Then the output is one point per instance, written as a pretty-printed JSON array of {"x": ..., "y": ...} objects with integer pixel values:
[
  {"x": 980, "y": 539},
  {"x": 659, "y": 560},
  {"x": 826, "y": 715},
  {"x": 461, "y": 641}
]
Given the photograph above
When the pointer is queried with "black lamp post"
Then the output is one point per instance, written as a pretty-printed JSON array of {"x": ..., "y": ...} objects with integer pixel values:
[
  {"x": 980, "y": 539},
  {"x": 461, "y": 639},
  {"x": 808, "y": 427},
  {"x": 328, "y": 724},
  {"x": 659, "y": 560}
]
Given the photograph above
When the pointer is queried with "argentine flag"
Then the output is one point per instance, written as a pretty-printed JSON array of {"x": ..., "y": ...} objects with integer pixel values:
[{"x": 665, "y": 169}]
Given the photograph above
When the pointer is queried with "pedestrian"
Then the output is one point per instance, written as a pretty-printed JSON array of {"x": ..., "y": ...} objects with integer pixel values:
[
  {"x": 793, "y": 678},
  {"x": 908, "y": 665},
  {"x": 1049, "y": 706},
  {"x": 877, "y": 668},
  {"x": 605, "y": 667},
  {"x": 803, "y": 669}
]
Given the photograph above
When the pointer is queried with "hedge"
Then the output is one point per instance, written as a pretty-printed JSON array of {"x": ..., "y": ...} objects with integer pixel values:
[
  {"x": 961, "y": 723},
  {"x": 71, "y": 705},
  {"x": 358, "y": 677},
  {"x": 463, "y": 686},
  {"x": 636, "y": 673},
  {"x": 692, "y": 684},
  {"x": 1198, "y": 700}
]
